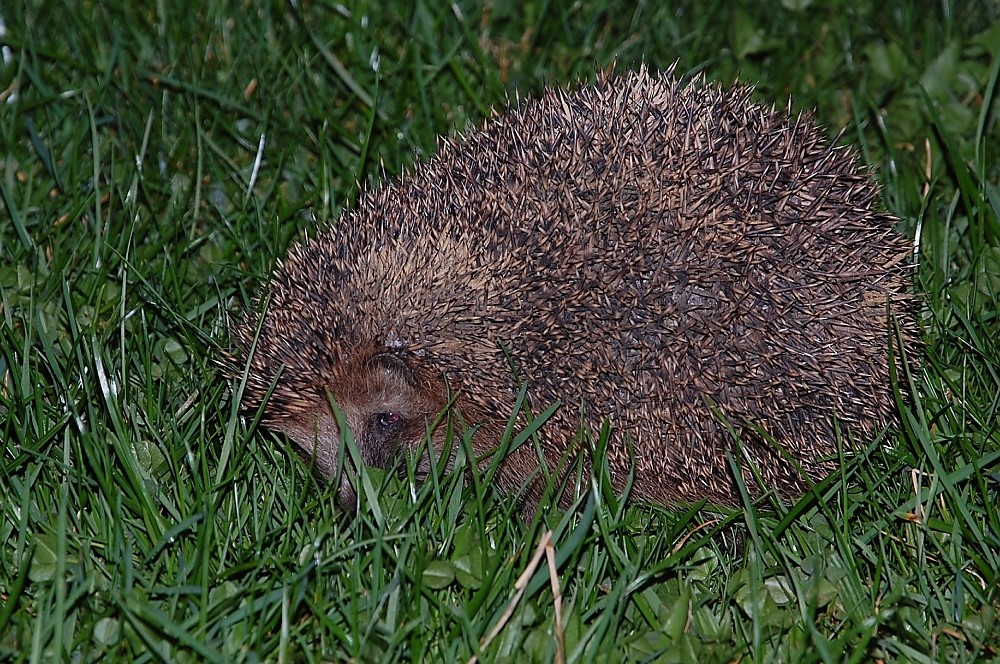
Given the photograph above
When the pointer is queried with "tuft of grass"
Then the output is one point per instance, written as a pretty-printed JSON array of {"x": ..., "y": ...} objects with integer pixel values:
[{"x": 156, "y": 160}]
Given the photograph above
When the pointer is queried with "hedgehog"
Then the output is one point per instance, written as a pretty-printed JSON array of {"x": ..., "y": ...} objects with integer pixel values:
[{"x": 657, "y": 254}]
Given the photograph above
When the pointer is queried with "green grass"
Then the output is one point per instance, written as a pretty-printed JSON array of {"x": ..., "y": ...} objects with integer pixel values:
[{"x": 142, "y": 519}]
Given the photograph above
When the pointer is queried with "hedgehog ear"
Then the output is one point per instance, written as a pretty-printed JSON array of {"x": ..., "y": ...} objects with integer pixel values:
[{"x": 395, "y": 366}]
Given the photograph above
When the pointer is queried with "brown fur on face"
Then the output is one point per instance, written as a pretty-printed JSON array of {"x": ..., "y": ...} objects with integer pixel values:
[{"x": 387, "y": 406}]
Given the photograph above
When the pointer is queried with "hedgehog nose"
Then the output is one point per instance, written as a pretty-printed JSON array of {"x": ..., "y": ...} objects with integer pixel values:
[{"x": 346, "y": 495}]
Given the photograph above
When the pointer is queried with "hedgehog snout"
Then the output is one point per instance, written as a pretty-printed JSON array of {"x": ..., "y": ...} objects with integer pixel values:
[
  {"x": 386, "y": 410},
  {"x": 321, "y": 437}
]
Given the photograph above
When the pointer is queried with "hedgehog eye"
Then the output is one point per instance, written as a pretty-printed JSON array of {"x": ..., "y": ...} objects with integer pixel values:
[{"x": 386, "y": 422}]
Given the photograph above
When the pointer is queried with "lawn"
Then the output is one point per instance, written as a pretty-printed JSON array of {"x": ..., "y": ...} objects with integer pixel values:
[{"x": 157, "y": 159}]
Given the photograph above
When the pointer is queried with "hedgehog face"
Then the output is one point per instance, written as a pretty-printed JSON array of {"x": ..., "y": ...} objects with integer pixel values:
[{"x": 383, "y": 404}]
